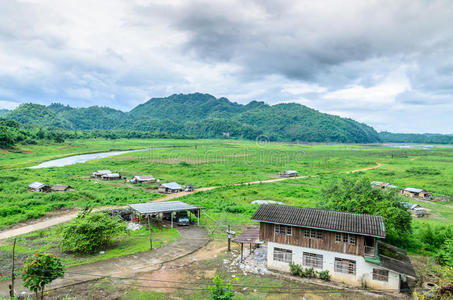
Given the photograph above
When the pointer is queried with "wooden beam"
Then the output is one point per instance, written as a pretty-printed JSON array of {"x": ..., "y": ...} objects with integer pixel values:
[{"x": 150, "y": 231}]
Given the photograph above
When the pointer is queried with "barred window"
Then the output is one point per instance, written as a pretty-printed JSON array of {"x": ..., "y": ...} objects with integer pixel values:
[
  {"x": 281, "y": 229},
  {"x": 283, "y": 255},
  {"x": 345, "y": 237},
  {"x": 344, "y": 266},
  {"x": 381, "y": 275},
  {"x": 313, "y": 234},
  {"x": 312, "y": 260},
  {"x": 352, "y": 239},
  {"x": 338, "y": 237}
]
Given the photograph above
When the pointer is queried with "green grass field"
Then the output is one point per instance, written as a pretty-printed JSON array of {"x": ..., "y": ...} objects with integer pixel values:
[{"x": 220, "y": 163}]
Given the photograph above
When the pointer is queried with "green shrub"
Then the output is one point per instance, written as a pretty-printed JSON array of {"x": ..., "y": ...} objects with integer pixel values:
[
  {"x": 309, "y": 273},
  {"x": 423, "y": 171},
  {"x": 324, "y": 275},
  {"x": 444, "y": 255},
  {"x": 295, "y": 269},
  {"x": 221, "y": 290},
  {"x": 89, "y": 233}
]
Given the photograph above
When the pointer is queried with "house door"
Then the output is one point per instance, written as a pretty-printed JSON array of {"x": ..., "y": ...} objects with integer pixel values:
[{"x": 369, "y": 246}]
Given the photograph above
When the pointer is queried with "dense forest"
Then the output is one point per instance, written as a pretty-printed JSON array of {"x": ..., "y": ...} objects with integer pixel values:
[
  {"x": 193, "y": 116},
  {"x": 201, "y": 116}
]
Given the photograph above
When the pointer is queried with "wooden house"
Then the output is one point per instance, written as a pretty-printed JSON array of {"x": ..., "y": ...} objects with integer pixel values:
[
  {"x": 111, "y": 176},
  {"x": 39, "y": 187},
  {"x": 169, "y": 188},
  {"x": 382, "y": 185},
  {"x": 416, "y": 193},
  {"x": 289, "y": 173},
  {"x": 144, "y": 179},
  {"x": 348, "y": 245},
  {"x": 62, "y": 188},
  {"x": 100, "y": 173}
]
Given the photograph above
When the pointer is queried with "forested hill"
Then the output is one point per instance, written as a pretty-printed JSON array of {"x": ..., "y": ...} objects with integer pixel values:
[
  {"x": 204, "y": 116},
  {"x": 3, "y": 112}
]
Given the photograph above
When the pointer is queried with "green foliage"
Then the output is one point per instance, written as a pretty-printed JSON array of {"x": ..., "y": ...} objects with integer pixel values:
[
  {"x": 324, "y": 275},
  {"x": 358, "y": 196},
  {"x": 296, "y": 269},
  {"x": 444, "y": 255},
  {"x": 202, "y": 116},
  {"x": 388, "y": 137},
  {"x": 89, "y": 233},
  {"x": 222, "y": 290},
  {"x": 423, "y": 171},
  {"x": 433, "y": 237},
  {"x": 39, "y": 270}
]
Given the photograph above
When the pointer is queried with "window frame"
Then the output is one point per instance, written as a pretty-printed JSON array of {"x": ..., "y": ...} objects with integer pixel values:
[
  {"x": 313, "y": 260},
  {"x": 377, "y": 275},
  {"x": 313, "y": 234},
  {"x": 345, "y": 266},
  {"x": 286, "y": 255}
]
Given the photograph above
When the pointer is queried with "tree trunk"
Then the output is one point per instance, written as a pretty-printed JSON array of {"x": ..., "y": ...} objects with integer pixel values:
[
  {"x": 36, "y": 293},
  {"x": 42, "y": 294}
]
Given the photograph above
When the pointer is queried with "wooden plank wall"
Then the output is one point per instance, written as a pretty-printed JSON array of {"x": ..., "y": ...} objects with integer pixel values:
[{"x": 297, "y": 239}]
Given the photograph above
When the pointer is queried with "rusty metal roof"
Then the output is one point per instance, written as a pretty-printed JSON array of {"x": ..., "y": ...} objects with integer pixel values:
[
  {"x": 250, "y": 236},
  {"x": 161, "y": 207},
  {"x": 330, "y": 220}
]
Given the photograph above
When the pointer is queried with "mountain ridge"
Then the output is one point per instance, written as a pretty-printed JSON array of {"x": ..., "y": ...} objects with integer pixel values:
[{"x": 204, "y": 116}]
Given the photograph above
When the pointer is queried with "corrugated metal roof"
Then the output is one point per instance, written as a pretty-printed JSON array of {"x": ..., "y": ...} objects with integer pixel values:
[
  {"x": 160, "y": 207},
  {"x": 36, "y": 185},
  {"x": 144, "y": 177},
  {"x": 321, "y": 219},
  {"x": 413, "y": 190},
  {"x": 400, "y": 262},
  {"x": 172, "y": 186},
  {"x": 250, "y": 236},
  {"x": 102, "y": 172},
  {"x": 60, "y": 187},
  {"x": 111, "y": 175},
  {"x": 290, "y": 172}
]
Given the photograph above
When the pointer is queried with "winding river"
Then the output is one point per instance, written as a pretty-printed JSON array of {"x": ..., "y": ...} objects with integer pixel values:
[{"x": 81, "y": 158}]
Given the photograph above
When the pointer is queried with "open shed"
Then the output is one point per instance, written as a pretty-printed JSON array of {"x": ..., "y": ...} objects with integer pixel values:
[
  {"x": 148, "y": 210},
  {"x": 250, "y": 236}
]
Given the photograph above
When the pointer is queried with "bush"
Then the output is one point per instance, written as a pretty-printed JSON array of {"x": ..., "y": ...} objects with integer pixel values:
[
  {"x": 222, "y": 290},
  {"x": 444, "y": 256},
  {"x": 309, "y": 273},
  {"x": 296, "y": 269},
  {"x": 324, "y": 275},
  {"x": 89, "y": 233}
]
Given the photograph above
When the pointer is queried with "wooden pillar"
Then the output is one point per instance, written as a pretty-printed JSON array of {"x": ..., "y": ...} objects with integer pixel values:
[
  {"x": 171, "y": 217},
  {"x": 198, "y": 219},
  {"x": 250, "y": 248},
  {"x": 242, "y": 251},
  {"x": 150, "y": 231}
]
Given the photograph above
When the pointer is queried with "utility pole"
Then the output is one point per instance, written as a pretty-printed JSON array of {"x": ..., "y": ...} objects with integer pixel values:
[
  {"x": 230, "y": 234},
  {"x": 150, "y": 231},
  {"x": 13, "y": 276}
]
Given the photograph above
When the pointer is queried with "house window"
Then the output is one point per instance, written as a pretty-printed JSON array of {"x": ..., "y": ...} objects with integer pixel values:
[
  {"x": 381, "y": 275},
  {"x": 312, "y": 260},
  {"x": 313, "y": 234},
  {"x": 283, "y": 255},
  {"x": 346, "y": 238},
  {"x": 280, "y": 229},
  {"x": 344, "y": 266}
]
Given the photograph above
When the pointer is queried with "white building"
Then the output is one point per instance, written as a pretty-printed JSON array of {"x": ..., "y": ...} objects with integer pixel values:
[{"x": 345, "y": 244}]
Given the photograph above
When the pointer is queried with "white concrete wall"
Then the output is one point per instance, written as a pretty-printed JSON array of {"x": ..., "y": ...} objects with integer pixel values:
[{"x": 364, "y": 270}]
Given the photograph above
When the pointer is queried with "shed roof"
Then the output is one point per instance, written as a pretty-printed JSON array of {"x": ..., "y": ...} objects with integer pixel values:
[
  {"x": 144, "y": 177},
  {"x": 321, "y": 219},
  {"x": 60, "y": 187},
  {"x": 395, "y": 259},
  {"x": 161, "y": 207},
  {"x": 290, "y": 171},
  {"x": 172, "y": 186},
  {"x": 111, "y": 175},
  {"x": 100, "y": 172},
  {"x": 250, "y": 236},
  {"x": 36, "y": 185},
  {"x": 413, "y": 190}
]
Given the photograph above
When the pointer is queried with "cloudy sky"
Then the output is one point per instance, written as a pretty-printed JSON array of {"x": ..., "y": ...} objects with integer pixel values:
[{"x": 386, "y": 63}]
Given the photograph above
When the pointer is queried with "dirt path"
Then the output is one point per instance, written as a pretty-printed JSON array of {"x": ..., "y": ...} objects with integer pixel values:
[
  {"x": 192, "y": 238},
  {"x": 49, "y": 222},
  {"x": 378, "y": 165}
]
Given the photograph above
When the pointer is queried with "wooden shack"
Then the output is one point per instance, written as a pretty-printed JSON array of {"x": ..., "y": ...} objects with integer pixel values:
[
  {"x": 62, "y": 188},
  {"x": 416, "y": 193},
  {"x": 143, "y": 179},
  {"x": 289, "y": 173},
  {"x": 169, "y": 188},
  {"x": 100, "y": 173},
  {"x": 111, "y": 176},
  {"x": 39, "y": 187}
]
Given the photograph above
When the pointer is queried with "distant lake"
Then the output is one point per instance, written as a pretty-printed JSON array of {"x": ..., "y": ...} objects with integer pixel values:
[
  {"x": 76, "y": 159},
  {"x": 410, "y": 146}
]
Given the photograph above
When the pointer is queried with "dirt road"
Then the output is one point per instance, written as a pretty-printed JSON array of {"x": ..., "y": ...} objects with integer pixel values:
[{"x": 191, "y": 239}]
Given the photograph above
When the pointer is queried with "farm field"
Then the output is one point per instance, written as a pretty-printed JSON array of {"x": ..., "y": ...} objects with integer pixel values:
[{"x": 227, "y": 165}]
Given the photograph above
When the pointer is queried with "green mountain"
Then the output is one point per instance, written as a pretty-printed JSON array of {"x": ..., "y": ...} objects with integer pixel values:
[
  {"x": 204, "y": 116},
  {"x": 3, "y": 112}
]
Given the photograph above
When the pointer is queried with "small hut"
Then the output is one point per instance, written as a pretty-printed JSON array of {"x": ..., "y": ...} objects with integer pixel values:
[
  {"x": 169, "y": 188},
  {"x": 416, "y": 193},
  {"x": 39, "y": 187},
  {"x": 111, "y": 176},
  {"x": 289, "y": 173},
  {"x": 100, "y": 173},
  {"x": 144, "y": 179},
  {"x": 62, "y": 188}
]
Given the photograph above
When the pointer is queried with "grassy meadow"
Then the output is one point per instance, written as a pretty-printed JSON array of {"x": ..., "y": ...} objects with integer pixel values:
[{"x": 221, "y": 163}]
